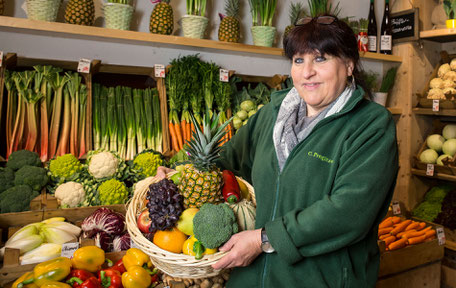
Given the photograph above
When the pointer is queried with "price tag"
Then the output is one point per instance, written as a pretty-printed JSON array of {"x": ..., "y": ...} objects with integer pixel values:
[
  {"x": 430, "y": 170},
  {"x": 159, "y": 70},
  {"x": 440, "y": 235},
  {"x": 1, "y": 58},
  {"x": 133, "y": 244},
  {"x": 435, "y": 105},
  {"x": 68, "y": 249},
  {"x": 224, "y": 75},
  {"x": 84, "y": 65},
  {"x": 396, "y": 208}
]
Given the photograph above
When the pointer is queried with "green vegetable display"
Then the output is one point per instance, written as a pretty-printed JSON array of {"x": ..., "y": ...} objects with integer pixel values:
[
  {"x": 430, "y": 208},
  {"x": 6, "y": 179},
  {"x": 17, "y": 199},
  {"x": 214, "y": 224},
  {"x": 35, "y": 177},
  {"x": 113, "y": 192},
  {"x": 65, "y": 167},
  {"x": 20, "y": 158},
  {"x": 145, "y": 164}
]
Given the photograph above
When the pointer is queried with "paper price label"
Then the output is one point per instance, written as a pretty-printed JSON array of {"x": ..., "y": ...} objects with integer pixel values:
[
  {"x": 84, "y": 66},
  {"x": 68, "y": 249},
  {"x": 396, "y": 208},
  {"x": 440, "y": 235},
  {"x": 430, "y": 170},
  {"x": 1, "y": 58},
  {"x": 224, "y": 75},
  {"x": 159, "y": 70},
  {"x": 435, "y": 105}
]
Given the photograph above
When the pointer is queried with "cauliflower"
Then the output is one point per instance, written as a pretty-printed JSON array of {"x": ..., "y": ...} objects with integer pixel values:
[
  {"x": 66, "y": 166},
  {"x": 146, "y": 163},
  {"x": 103, "y": 165},
  {"x": 70, "y": 194},
  {"x": 20, "y": 158},
  {"x": 113, "y": 191}
]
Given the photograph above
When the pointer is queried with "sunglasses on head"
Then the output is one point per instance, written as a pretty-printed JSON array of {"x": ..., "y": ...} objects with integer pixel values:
[{"x": 325, "y": 20}]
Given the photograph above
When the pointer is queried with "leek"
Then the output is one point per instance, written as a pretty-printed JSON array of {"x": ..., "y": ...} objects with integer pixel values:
[
  {"x": 112, "y": 119},
  {"x": 139, "y": 119},
  {"x": 43, "y": 253},
  {"x": 103, "y": 119},
  {"x": 121, "y": 127},
  {"x": 96, "y": 116},
  {"x": 149, "y": 118},
  {"x": 130, "y": 123}
]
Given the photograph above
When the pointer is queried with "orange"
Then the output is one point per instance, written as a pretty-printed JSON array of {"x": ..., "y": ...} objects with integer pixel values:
[{"x": 170, "y": 240}]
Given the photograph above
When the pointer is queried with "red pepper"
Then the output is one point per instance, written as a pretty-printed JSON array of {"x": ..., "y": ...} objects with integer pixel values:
[
  {"x": 119, "y": 266},
  {"x": 110, "y": 278},
  {"x": 80, "y": 274},
  {"x": 231, "y": 191},
  {"x": 91, "y": 282}
]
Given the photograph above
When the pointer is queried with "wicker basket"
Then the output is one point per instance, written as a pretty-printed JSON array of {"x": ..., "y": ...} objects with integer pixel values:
[
  {"x": 194, "y": 26},
  {"x": 175, "y": 265},
  {"x": 263, "y": 35},
  {"x": 118, "y": 16},
  {"x": 44, "y": 10}
]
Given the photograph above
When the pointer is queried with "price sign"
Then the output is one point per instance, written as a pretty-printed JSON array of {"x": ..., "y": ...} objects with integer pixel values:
[
  {"x": 430, "y": 170},
  {"x": 224, "y": 75},
  {"x": 84, "y": 66},
  {"x": 396, "y": 208},
  {"x": 440, "y": 235},
  {"x": 159, "y": 70},
  {"x": 435, "y": 105},
  {"x": 1, "y": 58},
  {"x": 68, "y": 249}
]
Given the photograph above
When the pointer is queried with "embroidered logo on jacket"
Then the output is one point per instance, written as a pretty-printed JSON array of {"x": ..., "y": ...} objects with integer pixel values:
[{"x": 320, "y": 157}]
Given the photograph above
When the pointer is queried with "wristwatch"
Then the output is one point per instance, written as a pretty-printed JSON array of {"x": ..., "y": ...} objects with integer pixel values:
[{"x": 265, "y": 244}]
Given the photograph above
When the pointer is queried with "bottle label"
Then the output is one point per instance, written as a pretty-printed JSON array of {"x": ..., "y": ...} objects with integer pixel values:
[
  {"x": 386, "y": 42},
  {"x": 372, "y": 43}
]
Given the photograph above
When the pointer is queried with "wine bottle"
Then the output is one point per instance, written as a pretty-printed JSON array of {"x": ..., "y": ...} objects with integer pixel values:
[
  {"x": 386, "y": 35},
  {"x": 372, "y": 29}
]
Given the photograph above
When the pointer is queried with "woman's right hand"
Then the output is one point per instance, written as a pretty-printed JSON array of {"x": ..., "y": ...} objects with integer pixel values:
[{"x": 162, "y": 171}]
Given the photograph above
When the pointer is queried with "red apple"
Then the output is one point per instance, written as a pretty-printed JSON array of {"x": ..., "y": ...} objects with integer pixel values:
[{"x": 144, "y": 221}]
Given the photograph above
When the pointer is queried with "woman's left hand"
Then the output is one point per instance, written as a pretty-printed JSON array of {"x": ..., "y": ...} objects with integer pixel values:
[{"x": 242, "y": 249}]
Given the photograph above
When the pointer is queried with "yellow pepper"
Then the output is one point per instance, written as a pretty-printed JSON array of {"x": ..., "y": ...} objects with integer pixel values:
[
  {"x": 25, "y": 276},
  {"x": 136, "y": 257},
  {"x": 136, "y": 277},
  {"x": 193, "y": 247},
  {"x": 88, "y": 258},
  {"x": 55, "y": 284},
  {"x": 52, "y": 270}
]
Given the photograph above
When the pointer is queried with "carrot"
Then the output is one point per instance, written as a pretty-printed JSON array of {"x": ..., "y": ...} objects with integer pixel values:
[
  {"x": 382, "y": 237},
  {"x": 398, "y": 244},
  {"x": 421, "y": 226},
  {"x": 400, "y": 227},
  {"x": 178, "y": 132},
  {"x": 427, "y": 228},
  {"x": 389, "y": 240},
  {"x": 183, "y": 131},
  {"x": 430, "y": 238},
  {"x": 429, "y": 233},
  {"x": 412, "y": 225},
  {"x": 385, "y": 230},
  {"x": 388, "y": 222},
  {"x": 400, "y": 234},
  {"x": 173, "y": 137},
  {"x": 412, "y": 234},
  {"x": 189, "y": 131},
  {"x": 416, "y": 240},
  {"x": 396, "y": 219}
]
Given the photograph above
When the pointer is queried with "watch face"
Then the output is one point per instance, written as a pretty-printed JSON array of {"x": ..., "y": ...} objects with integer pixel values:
[{"x": 266, "y": 247}]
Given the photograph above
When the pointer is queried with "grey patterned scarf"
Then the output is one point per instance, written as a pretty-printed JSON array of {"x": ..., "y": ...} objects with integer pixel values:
[{"x": 293, "y": 126}]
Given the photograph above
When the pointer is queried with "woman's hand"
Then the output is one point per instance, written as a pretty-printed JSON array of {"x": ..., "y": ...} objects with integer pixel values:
[
  {"x": 242, "y": 249},
  {"x": 162, "y": 171}
]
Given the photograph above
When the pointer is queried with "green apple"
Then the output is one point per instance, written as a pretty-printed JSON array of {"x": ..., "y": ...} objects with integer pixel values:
[{"x": 185, "y": 222}]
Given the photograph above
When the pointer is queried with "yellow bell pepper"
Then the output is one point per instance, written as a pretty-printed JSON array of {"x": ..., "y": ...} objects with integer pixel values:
[
  {"x": 25, "y": 276},
  {"x": 88, "y": 258},
  {"x": 136, "y": 277},
  {"x": 55, "y": 284},
  {"x": 52, "y": 270},
  {"x": 193, "y": 247},
  {"x": 136, "y": 257}
]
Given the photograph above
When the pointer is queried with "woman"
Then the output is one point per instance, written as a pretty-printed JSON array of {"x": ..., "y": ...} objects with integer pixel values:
[{"x": 323, "y": 161}]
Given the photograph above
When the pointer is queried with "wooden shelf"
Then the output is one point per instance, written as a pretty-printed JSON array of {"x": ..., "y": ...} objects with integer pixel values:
[
  {"x": 439, "y": 35},
  {"x": 428, "y": 111},
  {"x": 15, "y": 24},
  {"x": 395, "y": 110},
  {"x": 446, "y": 177}
]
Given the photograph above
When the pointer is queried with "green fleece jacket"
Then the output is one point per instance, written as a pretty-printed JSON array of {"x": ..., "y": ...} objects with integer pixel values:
[{"x": 322, "y": 211}]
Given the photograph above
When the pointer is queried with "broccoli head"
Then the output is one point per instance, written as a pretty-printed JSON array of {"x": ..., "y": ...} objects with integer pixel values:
[
  {"x": 18, "y": 159},
  {"x": 33, "y": 176},
  {"x": 6, "y": 179},
  {"x": 17, "y": 199},
  {"x": 214, "y": 224}
]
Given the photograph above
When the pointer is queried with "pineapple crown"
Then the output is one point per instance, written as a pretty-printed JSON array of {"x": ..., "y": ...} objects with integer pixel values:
[
  {"x": 204, "y": 147},
  {"x": 231, "y": 8}
]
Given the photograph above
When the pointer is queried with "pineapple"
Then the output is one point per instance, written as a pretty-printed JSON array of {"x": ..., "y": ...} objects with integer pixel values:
[
  {"x": 229, "y": 30},
  {"x": 161, "y": 19},
  {"x": 296, "y": 12},
  {"x": 2, "y": 3},
  {"x": 201, "y": 181},
  {"x": 81, "y": 12}
]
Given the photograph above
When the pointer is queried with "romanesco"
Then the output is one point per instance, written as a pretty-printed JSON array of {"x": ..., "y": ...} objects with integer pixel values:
[
  {"x": 65, "y": 167},
  {"x": 20, "y": 158},
  {"x": 146, "y": 164},
  {"x": 113, "y": 191},
  {"x": 35, "y": 177}
]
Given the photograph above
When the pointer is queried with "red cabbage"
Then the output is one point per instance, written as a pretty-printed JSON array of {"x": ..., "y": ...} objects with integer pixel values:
[
  {"x": 104, "y": 241},
  {"x": 104, "y": 220},
  {"x": 121, "y": 242}
]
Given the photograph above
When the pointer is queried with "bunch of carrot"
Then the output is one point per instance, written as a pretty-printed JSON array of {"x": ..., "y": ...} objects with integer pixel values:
[{"x": 398, "y": 233}]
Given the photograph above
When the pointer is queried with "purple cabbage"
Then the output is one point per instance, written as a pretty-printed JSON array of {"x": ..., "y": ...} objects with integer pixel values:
[
  {"x": 103, "y": 220},
  {"x": 121, "y": 242},
  {"x": 104, "y": 241}
]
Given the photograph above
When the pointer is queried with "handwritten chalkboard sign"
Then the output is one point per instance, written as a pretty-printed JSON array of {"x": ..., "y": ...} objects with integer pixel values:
[{"x": 405, "y": 25}]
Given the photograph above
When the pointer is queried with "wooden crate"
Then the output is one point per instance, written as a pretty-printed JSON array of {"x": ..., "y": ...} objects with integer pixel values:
[
  {"x": 425, "y": 276},
  {"x": 448, "y": 277}
]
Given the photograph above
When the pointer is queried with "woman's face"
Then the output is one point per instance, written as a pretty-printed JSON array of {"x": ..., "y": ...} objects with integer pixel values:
[{"x": 319, "y": 79}]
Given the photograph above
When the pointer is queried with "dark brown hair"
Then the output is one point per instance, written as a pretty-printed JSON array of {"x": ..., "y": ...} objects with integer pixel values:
[{"x": 335, "y": 39}]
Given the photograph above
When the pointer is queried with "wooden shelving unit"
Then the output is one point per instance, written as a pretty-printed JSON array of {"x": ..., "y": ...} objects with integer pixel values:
[
  {"x": 428, "y": 111},
  {"x": 439, "y": 35},
  {"x": 144, "y": 37},
  {"x": 445, "y": 177},
  {"x": 395, "y": 110}
]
